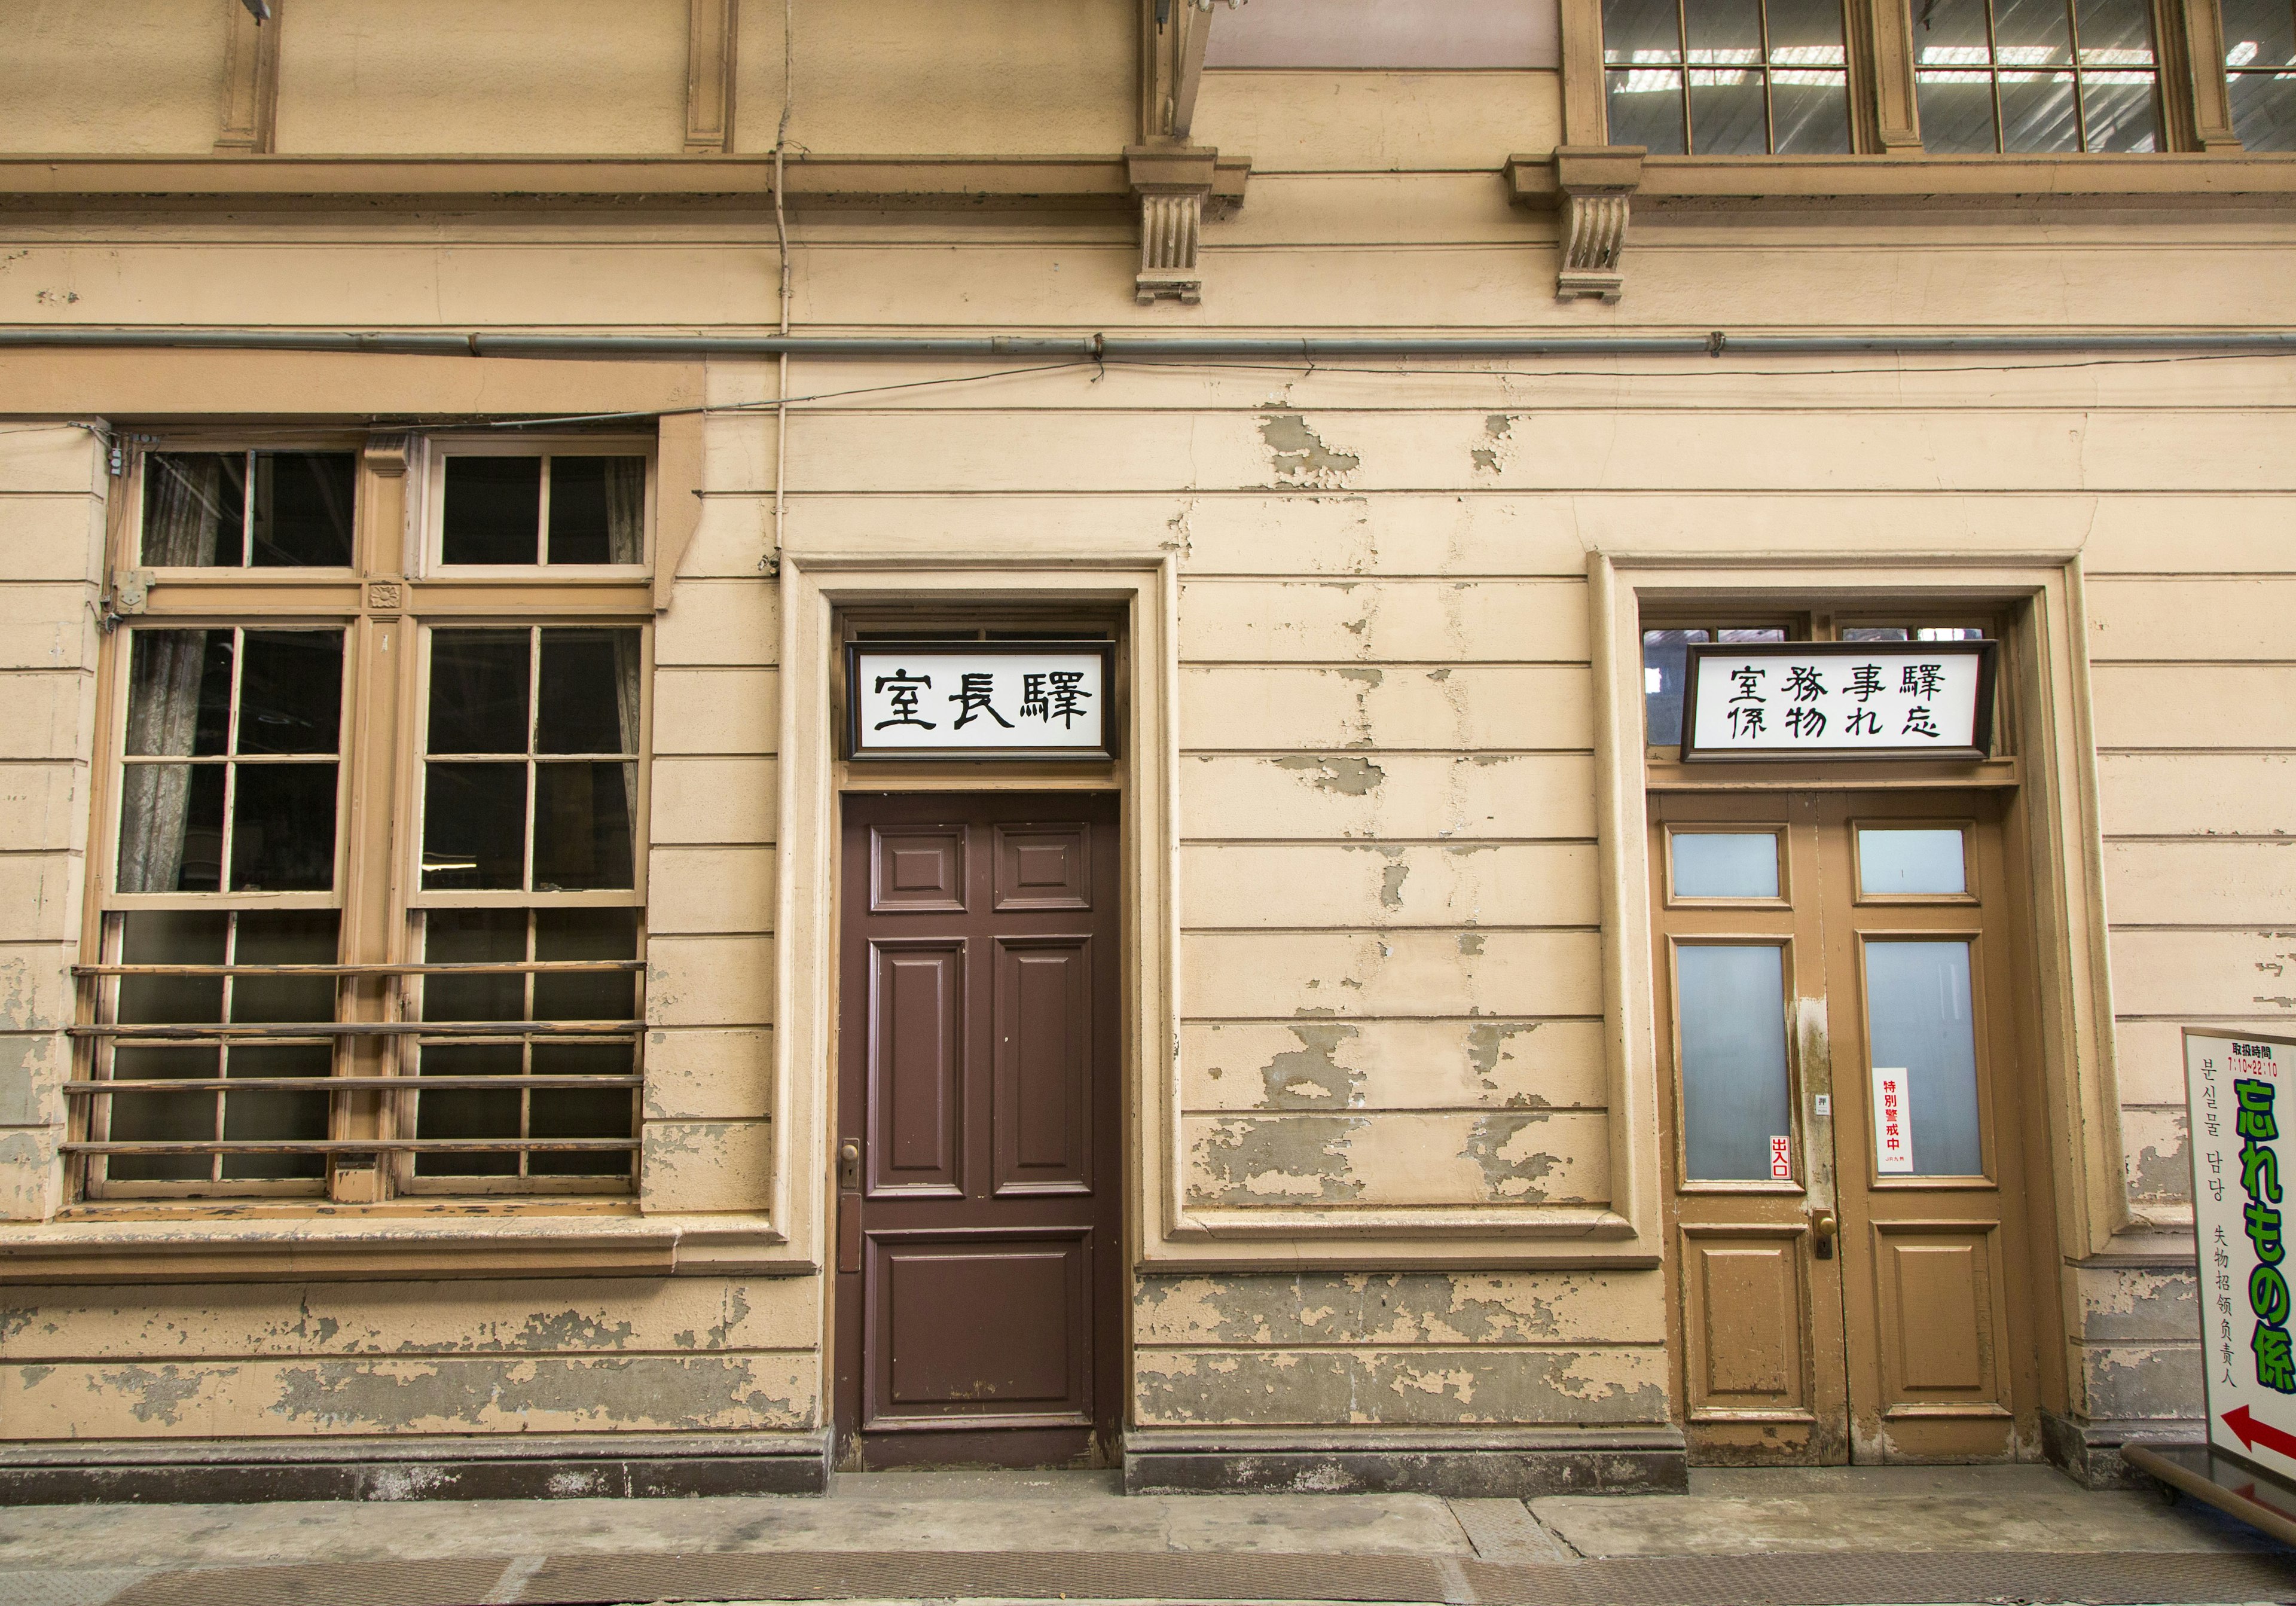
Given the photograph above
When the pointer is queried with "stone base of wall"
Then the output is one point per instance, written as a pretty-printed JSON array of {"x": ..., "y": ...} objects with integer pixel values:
[
  {"x": 2090, "y": 1451},
  {"x": 240, "y": 1471},
  {"x": 1469, "y": 1464}
]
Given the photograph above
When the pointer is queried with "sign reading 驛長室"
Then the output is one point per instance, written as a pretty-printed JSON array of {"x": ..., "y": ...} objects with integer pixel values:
[
  {"x": 979, "y": 700},
  {"x": 1839, "y": 700},
  {"x": 2241, "y": 1100}
]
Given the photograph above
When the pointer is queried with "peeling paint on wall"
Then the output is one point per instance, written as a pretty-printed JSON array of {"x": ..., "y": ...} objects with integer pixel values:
[
  {"x": 1513, "y": 1167},
  {"x": 1263, "y": 1160},
  {"x": 1299, "y": 456},
  {"x": 1416, "y": 1385},
  {"x": 1341, "y": 774},
  {"x": 1311, "y": 1077}
]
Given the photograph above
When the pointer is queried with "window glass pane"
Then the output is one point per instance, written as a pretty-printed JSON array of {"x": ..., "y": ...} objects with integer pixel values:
[
  {"x": 283, "y": 828},
  {"x": 194, "y": 508},
  {"x": 2118, "y": 107},
  {"x": 2259, "y": 33},
  {"x": 302, "y": 510},
  {"x": 150, "y": 1118},
  {"x": 1645, "y": 105},
  {"x": 1639, "y": 32},
  {"x": 471, "y": 1112},
  {"x": 1730, "y": 1001},
  {"x": 172, "y": 936},
  {"x": 582, "y": 819},
  {"x": 1715, "y": 864},
  {"x": 1727, "y": 114},
  {"x": 2115, "y": 32},
  {"x": 585, "y": 934},
  {"x": 2037, "y": 112},
  {"x": 494, "y": 509},
  {"x": 598, "y": 510},
  {"x": 478, "y": 683},
  {"x": 1877, "y": 633},
  {"x": 589, "y": 692},
  {"x": 1810, "y": 111},
  {"x": 179, "y": 693},
  {"x": 292, "y": 692},
  {"x": 1951, "y": 33},
  {"x": 1806, "y": 33},
  {"x": 2032, "y": 33},
  {"x": 275, "y": 1114},
  {"x": 580, "y": 1112},
  {"x": 1956, "y": 110},
  {"x": 171, "y": 828},
  {"x": 1666, "y": 660},
  {"x": 1894, "y": 861},
  {"x": 1919, "y": 1019},
  {"x": 2264, "y": 110},
  {"x": 474, "y": 827},
  {"x": 474, "y": 936},
  {"x": 285, "y": 937}
]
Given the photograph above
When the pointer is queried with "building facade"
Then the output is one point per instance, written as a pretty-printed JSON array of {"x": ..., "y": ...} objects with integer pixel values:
[{"x": 745, "y": 738}]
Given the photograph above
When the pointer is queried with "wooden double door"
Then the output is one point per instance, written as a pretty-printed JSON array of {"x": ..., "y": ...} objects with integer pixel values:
[
  {"x": 1845, "y": 1129},
  {"x": 978, "y": 1187}
]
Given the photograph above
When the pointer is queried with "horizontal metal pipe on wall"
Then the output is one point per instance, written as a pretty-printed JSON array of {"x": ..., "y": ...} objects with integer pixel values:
[{"x": 1145, "y": 347}]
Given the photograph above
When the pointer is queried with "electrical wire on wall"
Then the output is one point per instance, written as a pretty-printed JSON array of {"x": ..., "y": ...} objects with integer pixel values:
[{"x": 772, "y": 562}]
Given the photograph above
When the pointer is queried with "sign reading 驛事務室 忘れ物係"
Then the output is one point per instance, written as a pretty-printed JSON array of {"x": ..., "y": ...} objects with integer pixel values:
[
  {"x": 2240, "y": 1092},
  {"x": 980, "y": 700},
  {"x": 1839, "y": 700}
]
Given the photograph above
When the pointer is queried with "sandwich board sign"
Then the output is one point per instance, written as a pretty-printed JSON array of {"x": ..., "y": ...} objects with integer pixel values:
[{"x": 2240, "y": 1090}]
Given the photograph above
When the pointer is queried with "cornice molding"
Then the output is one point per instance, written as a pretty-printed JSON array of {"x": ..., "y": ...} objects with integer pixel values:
[
  {"x": 2234, "y": 178},
  {"x": 197, "y": 183}
]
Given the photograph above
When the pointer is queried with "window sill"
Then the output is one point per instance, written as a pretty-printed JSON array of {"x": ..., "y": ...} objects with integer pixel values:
[
  {"x": 2233, "y": 176},
  {"x": 420, "y": 1244}
]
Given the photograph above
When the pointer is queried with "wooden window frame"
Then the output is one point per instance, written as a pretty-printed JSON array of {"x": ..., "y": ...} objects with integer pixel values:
[
  {"x": 386, "y": 603},
  {"x": 2193, "y": 102}
]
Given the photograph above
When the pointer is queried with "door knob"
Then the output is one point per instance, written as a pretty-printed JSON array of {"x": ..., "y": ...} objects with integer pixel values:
[
  {"x": 1823, "y": 1229},
  {"x": 848, "y": 1166}
]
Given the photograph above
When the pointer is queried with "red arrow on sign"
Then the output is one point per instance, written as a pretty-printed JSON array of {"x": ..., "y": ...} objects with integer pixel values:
[{"x": 2252, "y": 1432}]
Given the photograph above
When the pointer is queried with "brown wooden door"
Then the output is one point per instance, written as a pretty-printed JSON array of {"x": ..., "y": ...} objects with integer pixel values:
[
  {"x": 1847, "y": 1246},
  {"x": 979, "y": 1227}
]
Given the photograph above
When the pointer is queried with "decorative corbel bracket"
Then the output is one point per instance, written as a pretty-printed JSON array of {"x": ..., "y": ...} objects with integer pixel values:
[
  {"x": 1596, "y": 182},
  {"x": 1173, "y": 185}
]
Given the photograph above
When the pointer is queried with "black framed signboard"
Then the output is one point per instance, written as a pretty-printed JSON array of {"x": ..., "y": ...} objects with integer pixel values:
[
  {"x": 1839, "y": 701},
  {"x": 942, "y": 700}
]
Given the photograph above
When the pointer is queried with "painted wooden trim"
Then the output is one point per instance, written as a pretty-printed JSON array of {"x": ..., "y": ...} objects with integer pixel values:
[
  {"x": 2204, "y": 80},
  {"x": 250, "y": 83},
  {"x": 2048, "y": 682},
  {"x": 709, "y": 61},
  {"x": 813, "y": 586},
  {"x": 2214, "y": 178},
  {"x": 1586, "y": 110}
]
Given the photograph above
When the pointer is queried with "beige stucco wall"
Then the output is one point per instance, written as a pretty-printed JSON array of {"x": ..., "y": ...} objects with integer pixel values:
[{"x": 1389, "y": 966}]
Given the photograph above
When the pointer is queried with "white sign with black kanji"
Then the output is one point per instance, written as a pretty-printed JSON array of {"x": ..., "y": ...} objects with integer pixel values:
[
  {"x": 1839, "y": 701},
  {"x": 979, "y": 702}
]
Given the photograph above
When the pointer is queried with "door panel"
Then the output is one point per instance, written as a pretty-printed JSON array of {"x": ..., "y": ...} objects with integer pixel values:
[
  {"x": 915, "y": 1063},
  {"x": 978, "y": 1311},
  {"x": 1043, "y": 1066},
  {"x": 931, "y": 1359},
  {"x": 1745, "y": 1325},
  {"x": 1937, "y": 1293},
  {"x": 1837, "y": 1012}
]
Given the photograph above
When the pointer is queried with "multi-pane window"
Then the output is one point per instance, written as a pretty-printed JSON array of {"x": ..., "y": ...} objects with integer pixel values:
[
  {"x": 321, "y": 952},
  {"x": 2036, "y": 75},
  {"x": 530, "y": 822},
  {"x": 1727, "y": 78},
  {"x": 2260, "y": 38},
  {"x": 559, "y": 508},
  {"x": 247, "y": 510}
]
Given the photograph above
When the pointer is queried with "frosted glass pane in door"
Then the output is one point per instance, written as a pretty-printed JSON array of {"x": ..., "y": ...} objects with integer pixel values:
[
  {"x": 1730, "y": 1001},
  {"x": 1895, "y": 861},
  {"x": 1718, "y": 863},
  {"x": 1919, "y": 1018}
]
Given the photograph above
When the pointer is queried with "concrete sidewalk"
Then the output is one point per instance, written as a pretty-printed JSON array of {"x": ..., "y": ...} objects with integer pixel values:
[{"x": 1832, "y": 1535}]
